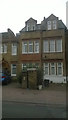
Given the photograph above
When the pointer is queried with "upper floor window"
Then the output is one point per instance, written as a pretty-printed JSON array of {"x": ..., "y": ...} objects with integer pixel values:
[
  {"x": 59, "y": 45},
  {"x": 36, "y": 46},
  {"x": 14, "y": 49},
  {"x": 54, "y": 24},
  {"x": 24, "y": 47},
  {"x": 49, "y": 25},
  {"x": 45, "y": 46},
  {"x": 52, "y": 45},
  {"x": 30, "y": 47},
  {"x": 3, "y": 48},
  {"x": 30, "y": 50}
]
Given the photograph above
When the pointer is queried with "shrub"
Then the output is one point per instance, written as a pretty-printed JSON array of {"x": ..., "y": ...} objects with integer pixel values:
[
  {"x": 39, "y": 76},
  {"x": 19, "y": 77}
]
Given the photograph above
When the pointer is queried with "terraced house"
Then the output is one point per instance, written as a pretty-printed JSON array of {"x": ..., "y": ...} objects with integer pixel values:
[{"x": 41, "y": 45}]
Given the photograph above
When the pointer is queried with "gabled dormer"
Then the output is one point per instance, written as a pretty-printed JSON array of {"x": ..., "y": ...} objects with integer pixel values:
[
  {"x": 31, "y": 24},
  {"x": 52, "y": 22}
]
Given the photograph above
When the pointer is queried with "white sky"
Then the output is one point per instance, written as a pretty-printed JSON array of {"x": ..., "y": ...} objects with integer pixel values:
[{"x": 14, "y": 13}]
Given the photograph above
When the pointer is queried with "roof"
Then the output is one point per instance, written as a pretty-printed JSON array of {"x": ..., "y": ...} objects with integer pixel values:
[
  {"x": 52, "y": 15},
  {"x": 31, "y": 19}
]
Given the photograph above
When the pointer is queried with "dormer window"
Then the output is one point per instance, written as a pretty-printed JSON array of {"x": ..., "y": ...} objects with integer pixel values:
[
  {"x": 49, "y": 25},
  {"x": 54, "y": 24},
  {"x": 33, "y": 27},
  {"x": 27, "y": 27}
]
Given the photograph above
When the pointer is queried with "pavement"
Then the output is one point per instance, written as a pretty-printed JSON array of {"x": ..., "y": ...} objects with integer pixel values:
[{"x": 54, "y": 94}]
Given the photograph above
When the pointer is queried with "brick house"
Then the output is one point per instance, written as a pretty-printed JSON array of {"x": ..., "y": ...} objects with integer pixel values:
[{"x": 41, "y": 45}]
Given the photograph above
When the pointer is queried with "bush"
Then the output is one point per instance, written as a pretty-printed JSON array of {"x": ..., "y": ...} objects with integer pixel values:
[
  {"x": 39, "y": 76},
  {"x": 19, "y": 77}
]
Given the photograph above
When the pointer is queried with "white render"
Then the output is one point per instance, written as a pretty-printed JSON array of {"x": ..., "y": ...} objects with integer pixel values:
[{"x": 55, "y": 79}]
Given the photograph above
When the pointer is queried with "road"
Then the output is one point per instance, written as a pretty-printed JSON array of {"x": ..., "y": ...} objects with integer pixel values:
[{"x": 29, "y": 110}]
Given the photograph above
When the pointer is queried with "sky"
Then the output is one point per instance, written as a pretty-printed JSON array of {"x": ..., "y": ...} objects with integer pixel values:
[{"x": 14, "y": 13}]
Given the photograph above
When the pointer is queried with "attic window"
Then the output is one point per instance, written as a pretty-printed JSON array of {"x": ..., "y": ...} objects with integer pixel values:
[
  {"x": 54, "y": 24},
  {"x": 33, "y": 27},
  {"x": 49, "y": 25},
  {"x": 27, "y": 27}
]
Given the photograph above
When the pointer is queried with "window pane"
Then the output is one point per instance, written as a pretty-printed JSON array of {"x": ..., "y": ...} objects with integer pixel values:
[
  {"x": 14, "y": 49},
  {"x": 24, "y": 66},
  {"x": 0, "y": 48},
  {"x": 46, "y": 68},
  {"x": 52, "y": 45},
  {"x": 5, "y": 48},
  {"x": 24, "y": 47},
  {"x": 30, "y": 47},
  {"x": 54, "y": 24},
  {"x": 45, "y": 46},
  {"x": 13, "y": 69},
  {"x": 49, "y": 25},
  {"x": 59, "y": 45},
  {"x": 52, "y": 70},
  {"x": 36, "y": 47},
  {"x": 59, "y": 66}
]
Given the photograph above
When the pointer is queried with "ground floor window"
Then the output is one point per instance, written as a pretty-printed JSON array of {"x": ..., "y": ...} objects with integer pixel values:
[
  {"x": 30, "y": 65},
  {"x": 46, "y": 68},
  {"x": 13, "y": 69},
  {"x": 59, "y": 68},
  {"x": 53, "y": 68}
]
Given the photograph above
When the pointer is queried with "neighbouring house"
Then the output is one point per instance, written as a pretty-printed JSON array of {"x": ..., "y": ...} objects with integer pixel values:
[{"x": 41, "y": 45}]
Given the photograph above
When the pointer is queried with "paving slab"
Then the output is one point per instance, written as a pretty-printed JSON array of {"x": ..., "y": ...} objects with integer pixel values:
[{"x": 54, "y": 94}]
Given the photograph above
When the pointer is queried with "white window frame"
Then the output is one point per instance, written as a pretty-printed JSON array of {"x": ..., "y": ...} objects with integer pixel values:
[
  {"x": 52, "y": 45},
  {"x": 24, "y": 47},
  {"x": 57, "y": 44},
  {"x": 30, "y": 44},
  {"x": 49, "y": 26},
  {"x": 12, "y": 69},
  {"x": 3, "y": 48},
  {"x": 36, "y": 46},
  {"x": 61, "y": 68},
  {"x": 51, "y": 68},
  {"x": 54, "y": 24},
  {"x": 14, "y": 48},
  {"x": 24, "y": 66},
  {"x": 0, "y": 48},
  {"x": 45, "y": 46},
  {"x": 46, "y": 66},
  {"x": 27, "y": 27}
]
